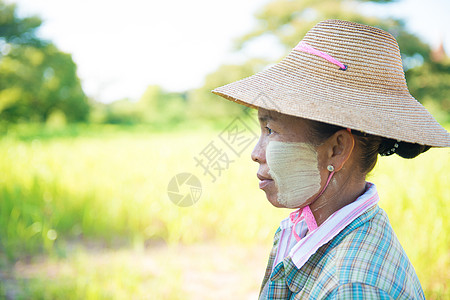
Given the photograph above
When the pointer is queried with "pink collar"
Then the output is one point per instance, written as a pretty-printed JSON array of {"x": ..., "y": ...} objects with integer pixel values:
[{"x": 301, "y": 251}]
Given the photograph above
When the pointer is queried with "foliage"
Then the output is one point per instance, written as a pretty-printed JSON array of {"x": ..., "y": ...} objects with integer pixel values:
[
  {"x": 112, "y": 188},
  {"x": 289, "y": 20},
  {"x": 121, "y": 112},
  {"x": 156, "y": 107},
  {"x": 37, "y": 80},
  {"x": 430, "y": 83},
  {"x": 39, "y": 83},
  {"x": 17, "y": 31},
  {"x": 204, "y": 104}
]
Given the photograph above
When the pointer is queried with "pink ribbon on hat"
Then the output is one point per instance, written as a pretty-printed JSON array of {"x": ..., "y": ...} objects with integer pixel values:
[{"x": 304, "y": 47}]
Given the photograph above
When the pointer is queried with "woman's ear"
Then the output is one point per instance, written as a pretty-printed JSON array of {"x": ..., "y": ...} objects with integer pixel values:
[{"x": 341, "y": 145}]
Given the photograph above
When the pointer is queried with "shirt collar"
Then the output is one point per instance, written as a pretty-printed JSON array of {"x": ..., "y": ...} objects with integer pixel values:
[
  {"x": 308, "y": 245},
  {"x": 298, "y": 263}
]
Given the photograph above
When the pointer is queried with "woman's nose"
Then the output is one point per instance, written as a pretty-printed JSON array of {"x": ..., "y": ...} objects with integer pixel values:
[{"x": 259, "y": 152}]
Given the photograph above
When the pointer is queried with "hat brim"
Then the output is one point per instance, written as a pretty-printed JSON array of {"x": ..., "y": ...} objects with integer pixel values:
[{"x": 307, "y": 93}]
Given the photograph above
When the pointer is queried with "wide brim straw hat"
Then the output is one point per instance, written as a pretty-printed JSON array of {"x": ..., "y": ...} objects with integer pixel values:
[{"x": 345, "y": 74}]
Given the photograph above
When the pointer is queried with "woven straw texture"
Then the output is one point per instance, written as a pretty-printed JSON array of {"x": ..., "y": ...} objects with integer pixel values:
[{"x": 370, "y": 96}]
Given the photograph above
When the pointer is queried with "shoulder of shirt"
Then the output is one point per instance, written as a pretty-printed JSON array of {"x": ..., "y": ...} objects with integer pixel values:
[
  {"x": 370, "y": 234},
  {"x": 368, "y": 252}
]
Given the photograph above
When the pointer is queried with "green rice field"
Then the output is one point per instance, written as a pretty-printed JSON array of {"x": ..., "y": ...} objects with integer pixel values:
[{"x": 92, "y": 208}]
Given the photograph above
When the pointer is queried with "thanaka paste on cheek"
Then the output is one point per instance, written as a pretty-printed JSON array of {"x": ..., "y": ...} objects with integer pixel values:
[{"x": 294, "y": 168}]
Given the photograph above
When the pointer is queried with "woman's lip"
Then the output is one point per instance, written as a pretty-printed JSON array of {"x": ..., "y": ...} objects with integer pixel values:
[{"x": 264, "y": 183}]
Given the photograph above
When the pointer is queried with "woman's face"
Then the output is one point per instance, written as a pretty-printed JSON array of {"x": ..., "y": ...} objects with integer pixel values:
[{"x": 283, "y": 128}]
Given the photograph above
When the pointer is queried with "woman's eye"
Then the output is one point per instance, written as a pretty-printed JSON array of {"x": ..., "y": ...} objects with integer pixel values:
[{"x": 269, "y": 131}]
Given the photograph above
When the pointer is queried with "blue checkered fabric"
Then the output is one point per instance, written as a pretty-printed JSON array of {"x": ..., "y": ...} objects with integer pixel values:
[{"x": 364, "y": 261}]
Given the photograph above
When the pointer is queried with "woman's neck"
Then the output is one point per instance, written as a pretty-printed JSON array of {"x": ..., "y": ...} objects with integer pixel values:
[{"x": 341, "y": 191}]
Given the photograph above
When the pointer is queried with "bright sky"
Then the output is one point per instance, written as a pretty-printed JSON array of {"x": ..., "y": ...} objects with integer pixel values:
[{"x": 121, "y": 47}]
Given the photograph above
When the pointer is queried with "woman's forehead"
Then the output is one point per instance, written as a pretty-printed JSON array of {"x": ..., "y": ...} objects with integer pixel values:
[{"x": 265, "y": 115}]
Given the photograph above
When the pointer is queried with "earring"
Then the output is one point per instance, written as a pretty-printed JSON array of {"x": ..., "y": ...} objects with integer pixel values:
[{"x": 330, "y": 168}]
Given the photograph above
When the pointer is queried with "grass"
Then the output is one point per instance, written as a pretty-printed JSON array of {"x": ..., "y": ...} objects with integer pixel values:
[
  {"x": 111, "y": 275},
  {"x": 109, "y": 187}
]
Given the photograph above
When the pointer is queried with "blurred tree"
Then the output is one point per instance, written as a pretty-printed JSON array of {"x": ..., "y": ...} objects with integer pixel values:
[
  {"x": 36, "y": 79},
  {"x": 17, "y": 31},
  {"x": 204, "y": 104},
  {"x": 150, "y": 103},
  {"x": 122, "y": 112},
  {"x": 430, "y": 83},
  {"x": 159, "y": 107},
  {"x": 289, "y": 20}
]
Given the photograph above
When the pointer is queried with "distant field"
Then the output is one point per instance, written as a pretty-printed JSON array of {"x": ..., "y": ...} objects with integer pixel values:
[{"x": 110, "y": 190}]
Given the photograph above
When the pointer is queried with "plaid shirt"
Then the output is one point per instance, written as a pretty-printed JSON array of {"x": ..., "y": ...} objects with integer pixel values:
[{"x": 363, "y": 261}]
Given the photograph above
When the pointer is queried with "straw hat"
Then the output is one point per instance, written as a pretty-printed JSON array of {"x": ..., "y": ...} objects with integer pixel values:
[{"x": 345, "y": 74}]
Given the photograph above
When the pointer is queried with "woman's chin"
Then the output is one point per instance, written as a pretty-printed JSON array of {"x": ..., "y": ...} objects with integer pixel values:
[{"x": 274, "y": 201}]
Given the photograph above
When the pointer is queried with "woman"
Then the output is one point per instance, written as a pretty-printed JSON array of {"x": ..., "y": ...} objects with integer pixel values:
[{"x": 326, "y": 111}]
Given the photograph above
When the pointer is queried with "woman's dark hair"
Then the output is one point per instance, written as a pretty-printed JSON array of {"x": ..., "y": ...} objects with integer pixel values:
[{"x": 370, "y": 145}]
